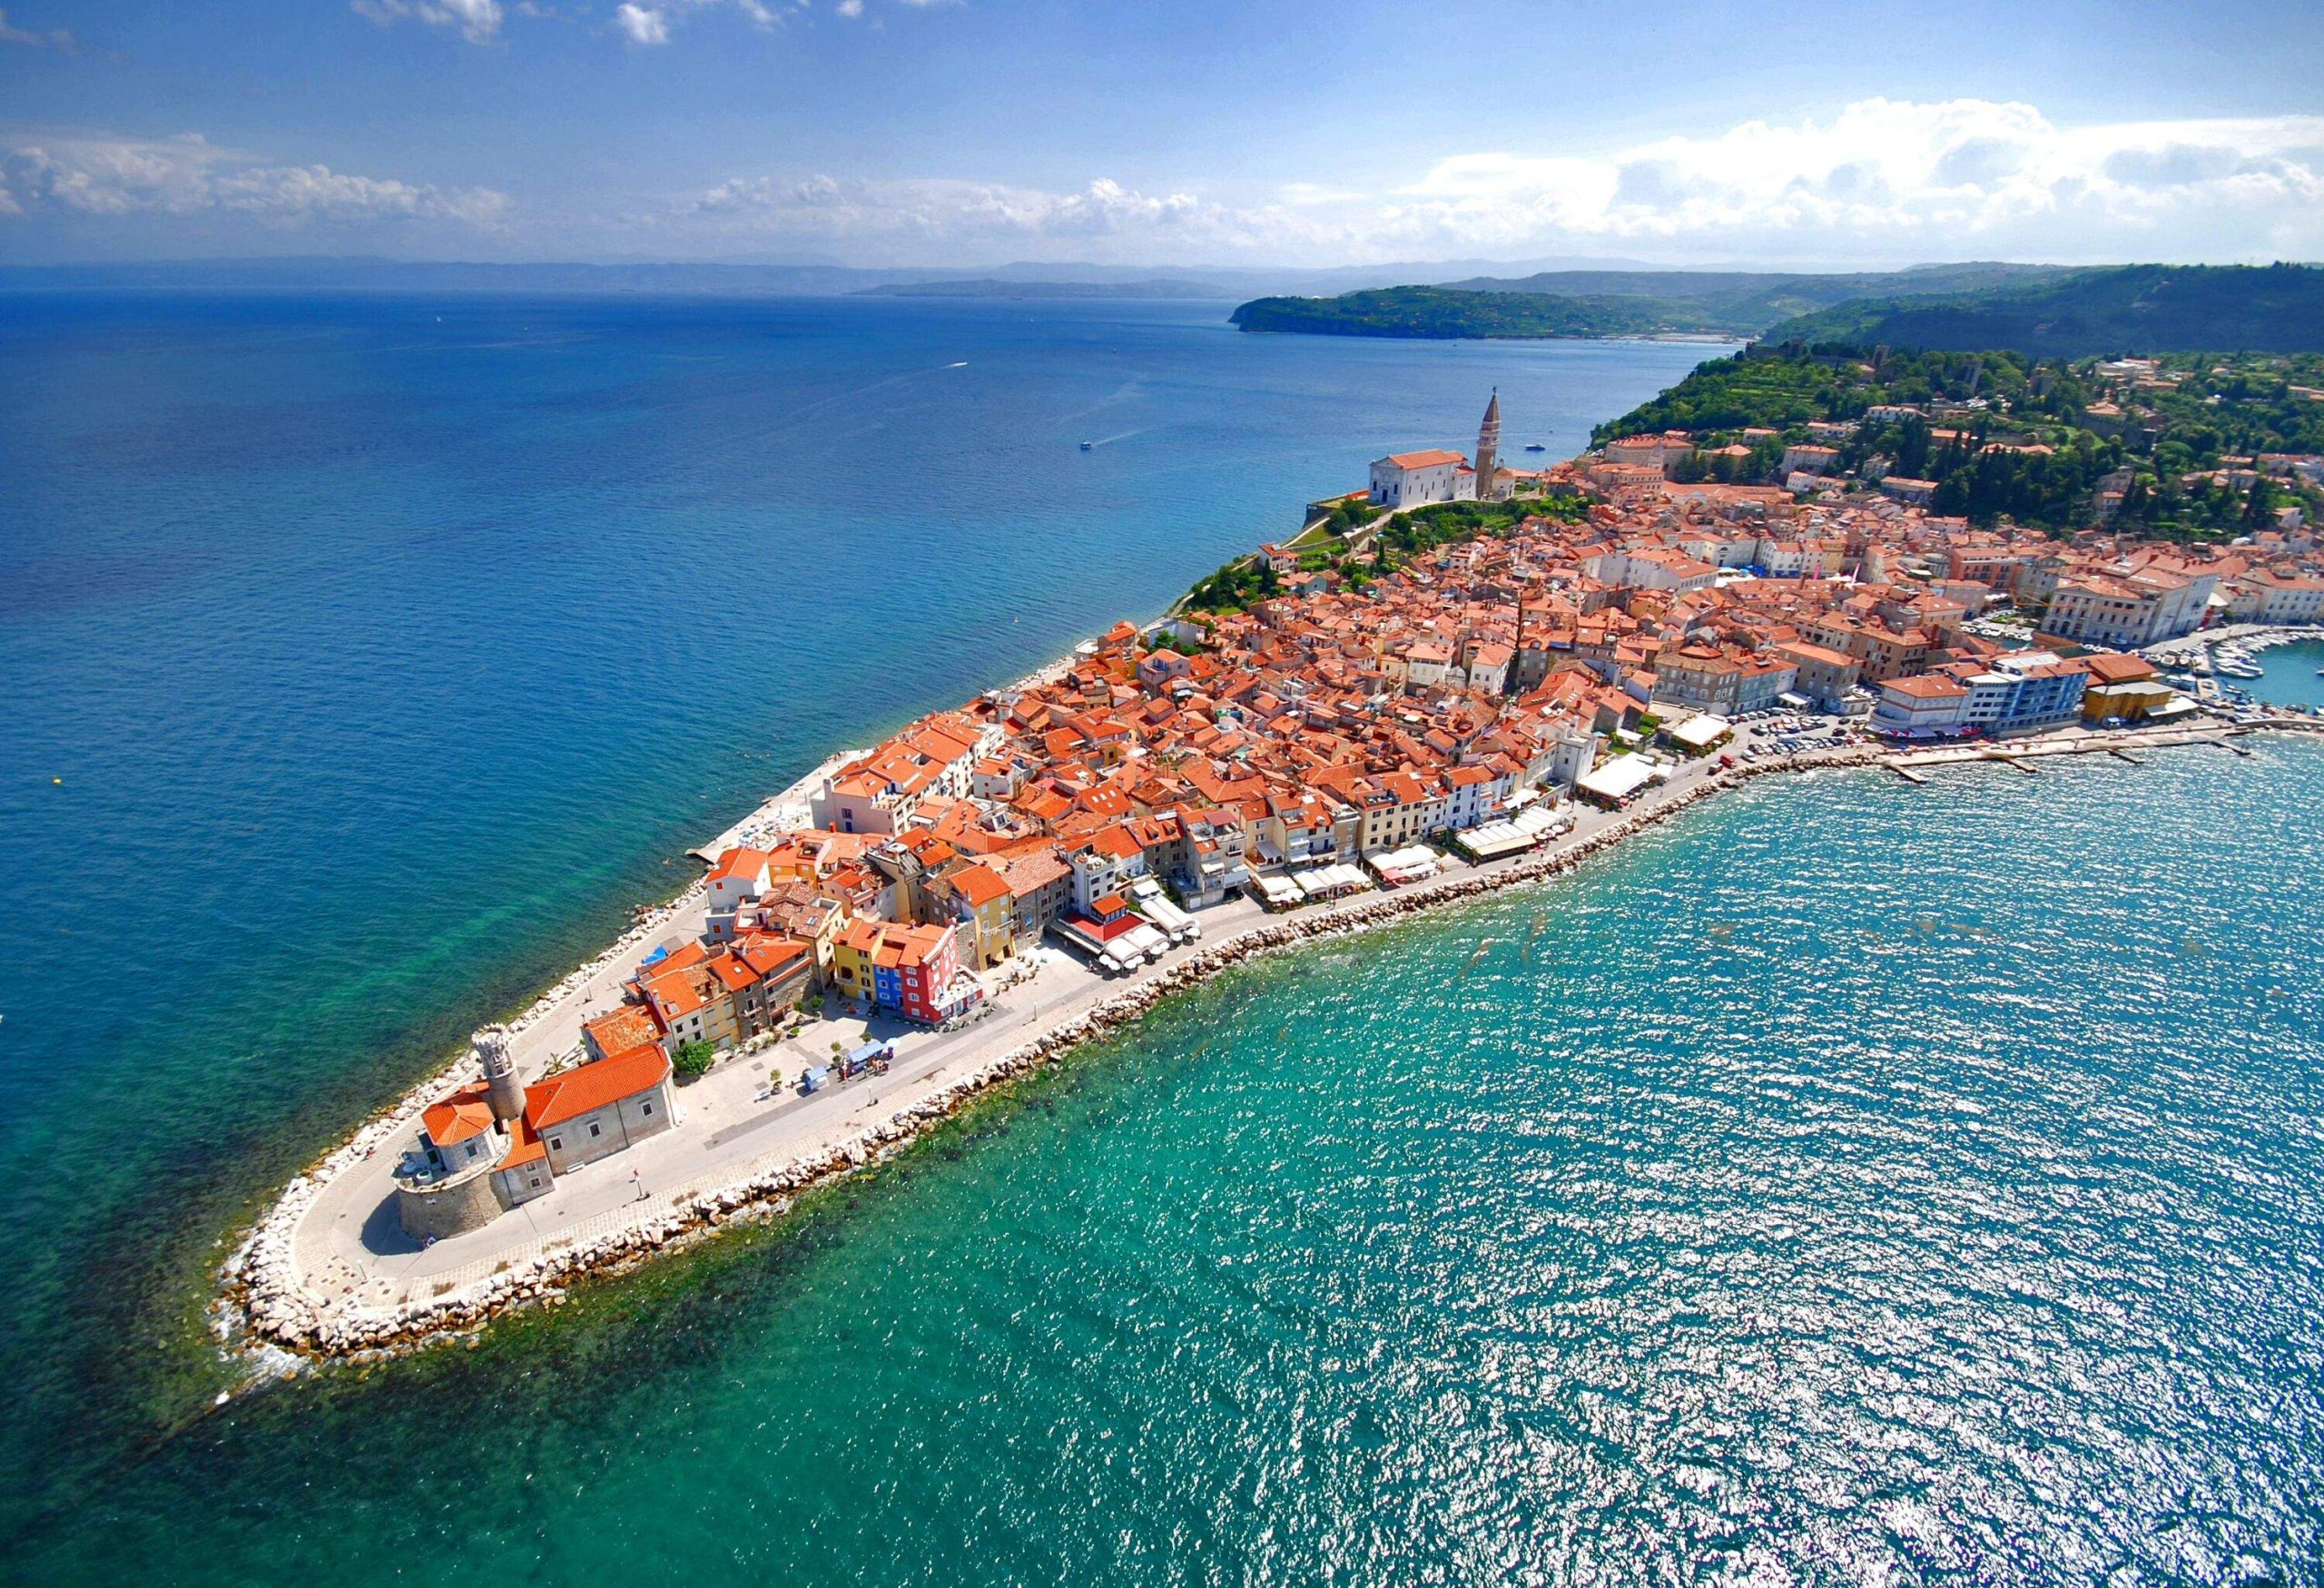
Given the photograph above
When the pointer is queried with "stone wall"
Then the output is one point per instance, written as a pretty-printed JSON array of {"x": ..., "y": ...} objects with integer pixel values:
[
  {"x": 450, "y": 1206},
  {"x": 273, "y": 1308}
]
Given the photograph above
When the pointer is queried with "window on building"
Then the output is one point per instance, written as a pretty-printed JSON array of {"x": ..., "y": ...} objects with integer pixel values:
[
  {"x": 646, "y": 1107},
  {"x": 557, "y": 1143},
  {"x": 595, "y": 1132}
]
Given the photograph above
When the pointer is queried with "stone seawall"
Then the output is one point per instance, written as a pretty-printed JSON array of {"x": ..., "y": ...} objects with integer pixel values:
[{"x": 263, "y": 1303}]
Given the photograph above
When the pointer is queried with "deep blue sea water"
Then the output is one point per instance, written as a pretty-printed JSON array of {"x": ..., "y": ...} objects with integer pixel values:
[
  {"x": 1848, "y": 1182},
  {"x": 367, "y": 657}
]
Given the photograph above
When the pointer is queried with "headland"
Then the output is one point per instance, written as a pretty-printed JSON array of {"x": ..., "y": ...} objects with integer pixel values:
[{"x": 1471, "y": 677}]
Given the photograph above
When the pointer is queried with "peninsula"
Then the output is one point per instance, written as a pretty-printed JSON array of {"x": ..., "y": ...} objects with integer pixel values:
[
  {"x": 1458, "y": 676},
  {"x": 2037, "y": 309}
]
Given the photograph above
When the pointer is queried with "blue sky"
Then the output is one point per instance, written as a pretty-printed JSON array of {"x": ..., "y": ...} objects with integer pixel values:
[{"x": 970, "y": 131}]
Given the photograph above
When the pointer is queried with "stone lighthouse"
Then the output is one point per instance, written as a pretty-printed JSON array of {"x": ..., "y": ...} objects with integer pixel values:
[
  {"x": 1489, "y": 447},
  {"x": 502, "y": 1088}
]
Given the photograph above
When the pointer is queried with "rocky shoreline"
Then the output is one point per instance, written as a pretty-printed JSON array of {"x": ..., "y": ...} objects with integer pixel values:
[{"x": 261, "y": 1308}]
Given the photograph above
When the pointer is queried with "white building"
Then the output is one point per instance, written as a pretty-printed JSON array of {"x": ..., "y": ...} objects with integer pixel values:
[
  {"x": 1652, "y": 567},
  {"x": 1476, "y": 794},
  {"x": 2267, "y": 597},
  {"x": 1403, "y": 479},
  {"x": 2128, "y": 611}
]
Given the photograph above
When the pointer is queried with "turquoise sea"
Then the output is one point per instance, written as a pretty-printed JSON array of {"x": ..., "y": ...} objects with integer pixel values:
[{"x": 1847, "y": 1182}]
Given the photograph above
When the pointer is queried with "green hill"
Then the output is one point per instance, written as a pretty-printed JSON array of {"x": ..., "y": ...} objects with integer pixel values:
[
  {"x": 1448, "y": 312},
  {"x": 2127, "y": 309},
  {"x": 1590, "y": 303}
]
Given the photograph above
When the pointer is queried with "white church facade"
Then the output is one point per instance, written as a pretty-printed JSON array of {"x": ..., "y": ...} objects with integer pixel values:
[{"x": 1412, "y": 479}]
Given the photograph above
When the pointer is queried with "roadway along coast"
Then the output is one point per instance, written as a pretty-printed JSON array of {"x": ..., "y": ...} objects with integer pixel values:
[{"x": 312, "y": 1279}]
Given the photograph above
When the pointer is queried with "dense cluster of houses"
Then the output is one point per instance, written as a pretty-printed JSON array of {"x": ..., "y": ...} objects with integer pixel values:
[
  {"x": 1331, "y": 725},
  {"x": 1337, "y": 728}
]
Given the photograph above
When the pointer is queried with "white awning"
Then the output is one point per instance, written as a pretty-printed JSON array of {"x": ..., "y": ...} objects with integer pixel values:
[{"x": 1618, "y": 778}]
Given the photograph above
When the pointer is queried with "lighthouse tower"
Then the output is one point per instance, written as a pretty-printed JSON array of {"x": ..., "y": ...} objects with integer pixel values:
[
  {"x": 502, "y": 1088},
  {"x": 1489, "y": 447}
]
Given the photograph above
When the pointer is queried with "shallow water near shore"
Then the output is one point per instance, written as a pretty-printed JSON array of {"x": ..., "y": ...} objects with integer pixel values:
[
  {"x": 369, "y": 656},
  {"x": 1848, "y": 1182}
]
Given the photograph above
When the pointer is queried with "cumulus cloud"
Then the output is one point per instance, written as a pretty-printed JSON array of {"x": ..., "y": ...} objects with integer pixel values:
[
  {"x": 945, "y": 210},
  {"x": 1911, "y": 176},
  {"x": 477, "y": 21},
  {"x": 1881, "y": 181},
  {"x": 642, "y": 24},
  {"x": 96, "y": 175},
  {"x": 54, "y": 38},
  {"x": 651, "y": 21}
]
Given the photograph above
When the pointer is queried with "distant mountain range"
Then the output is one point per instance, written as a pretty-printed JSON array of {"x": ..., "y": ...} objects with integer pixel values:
[
  {"x": 1562, "y": 303},
  {"x": 993, "y": 287},
  {"x": 815, "y": 278},
  {"x": 2041, "y": 310},
  {"x": 2129, "y": 309},
  {"x": 2047, "y": 310}
]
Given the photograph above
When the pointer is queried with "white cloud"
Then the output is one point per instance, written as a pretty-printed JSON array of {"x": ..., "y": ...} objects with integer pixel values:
[
  {"x": 478, "y": 21},
  {"x": 1883, "y": 180},
  {"x": 851, "y": 7},
  {"x": 98, "y": 175},
  {"x": 948, "y": 211},
  {"x": 1903, "y": 177},
  {"x": 643, "y": 25},
  {"x": 56, "y": 38}
]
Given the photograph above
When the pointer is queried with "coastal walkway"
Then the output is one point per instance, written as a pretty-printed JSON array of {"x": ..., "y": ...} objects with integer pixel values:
[
  {"x": 2072, "y": 741},
  {"x": 348, "y": 1257},
  {"x": 351, "y": 1252}
]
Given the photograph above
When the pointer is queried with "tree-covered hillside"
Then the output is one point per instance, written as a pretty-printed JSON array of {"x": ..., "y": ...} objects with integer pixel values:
[
  {"x": 1446, "y": 313},
  {"x": 2005, "y": 435},
  {"x": 2125, "y": 310}
]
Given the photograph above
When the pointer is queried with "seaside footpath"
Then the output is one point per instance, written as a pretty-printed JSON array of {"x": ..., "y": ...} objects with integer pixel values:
[{"x": 275, "y": 1302}]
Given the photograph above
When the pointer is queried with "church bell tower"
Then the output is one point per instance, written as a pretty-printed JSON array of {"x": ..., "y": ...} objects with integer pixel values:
[{"x": 1489, "y": 447}]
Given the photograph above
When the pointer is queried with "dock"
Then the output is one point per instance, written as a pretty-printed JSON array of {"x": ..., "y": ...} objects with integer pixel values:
[
  {"x": 1907, "y": 773},
  {"x": 2027, "y": 767},
  {"x": 2126, "y": 756}
]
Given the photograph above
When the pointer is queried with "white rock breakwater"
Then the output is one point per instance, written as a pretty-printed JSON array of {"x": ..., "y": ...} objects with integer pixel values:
[
  {"x": 265, "y": 1303},
  {"x": 265, "y": 1306}
]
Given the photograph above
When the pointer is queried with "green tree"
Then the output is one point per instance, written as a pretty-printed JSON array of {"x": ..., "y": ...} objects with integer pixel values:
[{"x": 692, "y": 1059}]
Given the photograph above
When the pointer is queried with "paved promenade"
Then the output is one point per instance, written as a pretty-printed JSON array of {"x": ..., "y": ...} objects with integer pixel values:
[{"x": 350, "y": 1254}]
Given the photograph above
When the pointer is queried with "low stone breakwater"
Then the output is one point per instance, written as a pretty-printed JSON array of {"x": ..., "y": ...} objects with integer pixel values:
[{"x": 265, "y": 1302}]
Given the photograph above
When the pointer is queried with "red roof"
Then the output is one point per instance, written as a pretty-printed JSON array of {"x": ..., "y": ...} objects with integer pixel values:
[
  {"x": 1428, "y": 459},
  {"x": 626, "y": 1027},
  {"x": 980, "y": 886},
  {"x": 456, "y": 1118},
  {"x": 738, "y": 863},
  {"x": 589, "y": 1086}
]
